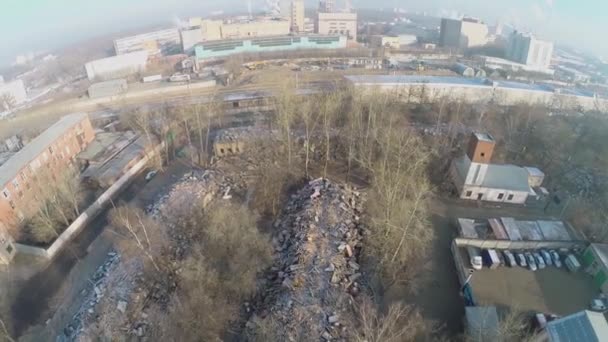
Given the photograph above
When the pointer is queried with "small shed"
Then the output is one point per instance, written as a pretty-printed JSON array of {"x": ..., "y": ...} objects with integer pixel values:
[
  {"x": 481, "y": 323},
  {"x": 535, "y": 176},
  {"x": 595, "y": 261}
]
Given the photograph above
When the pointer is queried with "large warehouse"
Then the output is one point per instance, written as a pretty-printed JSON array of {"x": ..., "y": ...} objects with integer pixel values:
[
  {"x": 223, "y": 48},
  {"x": 480, "y": 90},
  {"x": 117, "y": 66}
]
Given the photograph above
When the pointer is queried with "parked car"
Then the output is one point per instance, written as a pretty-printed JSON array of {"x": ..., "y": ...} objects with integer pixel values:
[
  {"x": 556, "y": 259},
  {"x": 490, "y": 258},
  {"x": 598, "y": 305},
  {"x": 151, "y": 175},
  {"x": 531, "y": 261},
  {"x": 521, "y": 260},
  {"x": 509, "y": 258},
  {"x": 475, "y": 257},
  {"x": 546, "y": 257},
  {"x": 539, "y": 260},
  {"x": 572, "y": 263}
]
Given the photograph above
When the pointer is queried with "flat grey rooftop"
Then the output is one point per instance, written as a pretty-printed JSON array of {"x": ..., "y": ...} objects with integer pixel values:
[
  {"x": 507, "y": 177},
  {"x": 395, "y": 80},
  {"x": 13, "y": 166},
  {"x": 415, "y": 79},
  {"x": 586, "y": 326}
]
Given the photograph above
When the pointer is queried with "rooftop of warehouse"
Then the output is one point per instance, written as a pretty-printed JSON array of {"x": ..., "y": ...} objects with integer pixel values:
[{"x": 462, "y": 81}]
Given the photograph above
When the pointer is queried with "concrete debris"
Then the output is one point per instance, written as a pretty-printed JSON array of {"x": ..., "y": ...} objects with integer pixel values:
[
  {"x": 316, "y": 272},
  {"x": 122, "y": 306},
  {"x": 93, "y": 293}
]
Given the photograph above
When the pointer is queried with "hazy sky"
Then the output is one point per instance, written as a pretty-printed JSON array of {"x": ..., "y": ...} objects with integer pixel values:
[{"x": 32, "y": 25}]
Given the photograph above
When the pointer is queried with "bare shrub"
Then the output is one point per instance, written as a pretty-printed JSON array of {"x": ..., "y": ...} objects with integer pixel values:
[{"x": 399, "y": 323}]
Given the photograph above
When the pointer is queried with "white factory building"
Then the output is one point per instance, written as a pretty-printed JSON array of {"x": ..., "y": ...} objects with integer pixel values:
[
  {"x": 342, "y": 23},
  {"x": 12, "y": 94},
  {"x": 480, "y": 90},
  {"x": 476, "y": 178},
  {"x": 116, "y": 66},
  {"x": 155, "y": 42},
  {"x": 526, "y": 49},
  {"x": 462, "y": 34}
]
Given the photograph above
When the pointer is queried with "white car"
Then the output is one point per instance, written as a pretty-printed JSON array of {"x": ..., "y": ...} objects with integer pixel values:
[
  {"x": 151, "y": 175},
  {"x": 531, "y": 261},
  {"x": 546, "y": 257},
  {"x": 556, "y": 259},
  {"x": 598, "y": 305},
  {"x": 539, "y": 260}
]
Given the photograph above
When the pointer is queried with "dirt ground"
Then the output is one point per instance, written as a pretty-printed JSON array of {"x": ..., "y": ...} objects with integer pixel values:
[
  {"x": 53, "y": 292},
  {"x": 551, "y": 290}
]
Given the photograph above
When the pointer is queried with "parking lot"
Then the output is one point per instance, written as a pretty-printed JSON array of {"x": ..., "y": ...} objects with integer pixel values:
[{"x": 550, "y": 290}]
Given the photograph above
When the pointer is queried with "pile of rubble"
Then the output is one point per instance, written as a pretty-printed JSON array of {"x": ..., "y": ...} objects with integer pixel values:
[
  {"x": 92, "y": 295},
  {"x": 316, "y": 274},
  {"x": 189, "y": 191}
]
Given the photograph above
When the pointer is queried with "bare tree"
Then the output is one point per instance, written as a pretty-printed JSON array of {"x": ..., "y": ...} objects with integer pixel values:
[
  {"x": 7, "y": 101},
  {"x": 139, "y": 231},
  {"x": 58, "y": 196},
  {"x": 398, "y": 323}
]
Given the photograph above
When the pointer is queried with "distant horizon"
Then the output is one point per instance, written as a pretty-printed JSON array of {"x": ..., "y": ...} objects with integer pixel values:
[{"x": 77, "y": 30}]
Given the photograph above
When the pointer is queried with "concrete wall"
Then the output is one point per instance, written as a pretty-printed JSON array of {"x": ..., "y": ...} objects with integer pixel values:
[
  {"x": 89, "y": 214},
  {"x": 524, "y": 245},
  {"x": 492, "y": 195}
]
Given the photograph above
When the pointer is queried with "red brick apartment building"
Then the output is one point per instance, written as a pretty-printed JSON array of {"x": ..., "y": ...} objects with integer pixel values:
[{"x": 51, "y": 151}]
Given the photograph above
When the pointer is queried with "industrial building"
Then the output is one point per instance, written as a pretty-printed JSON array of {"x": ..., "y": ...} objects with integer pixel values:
[
  {"x": 117, "y": 66},
  {"x": 504, "y": 64},
  {"x": 343, "y": 23},
  {"x": 481, "y": 323},
  {"x": 380, "y": 41},
  {"x": 156, "y": 42},
  {"x": 475, "y": 178},
  {"x": 481, "y": 90},
  {"x": 526, "y": 49},
  {"x": 293, "y": 10},
  {"x": 51, "y": 152},
  {"x": 223, "y": 48},
  {"x": 203, "y": 30},
  {"x": 12, "y": 94},
  {"x": 462, "y": 34},
  {"x": 110, "y": 155},
  {"x": 595, "y": 261},
  {"x": 107, "y": 88},
  {"x": 190, "y": 37},
  {"x": 585, "y": 326}
]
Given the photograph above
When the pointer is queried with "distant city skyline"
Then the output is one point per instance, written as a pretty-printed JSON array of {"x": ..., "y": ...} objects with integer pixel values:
[{"x": 40, "y": 25}]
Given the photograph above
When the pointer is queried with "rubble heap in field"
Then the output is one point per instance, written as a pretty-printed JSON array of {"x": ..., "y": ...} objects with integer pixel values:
[
  {"x": 188, "y": 192},
  {"x": 316, "y": 273},
  {"x": 92, "y": 294}
]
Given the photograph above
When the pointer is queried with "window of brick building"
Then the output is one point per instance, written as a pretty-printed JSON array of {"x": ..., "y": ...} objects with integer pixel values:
[{"x": 6, "y": 193}]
